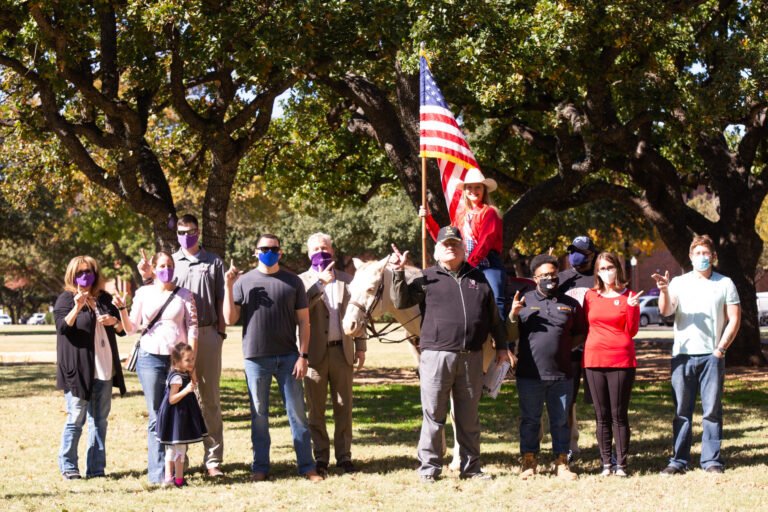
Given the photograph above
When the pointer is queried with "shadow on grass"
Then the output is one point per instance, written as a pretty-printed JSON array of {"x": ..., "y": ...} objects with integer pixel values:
[{"x": 27, "y": 379}]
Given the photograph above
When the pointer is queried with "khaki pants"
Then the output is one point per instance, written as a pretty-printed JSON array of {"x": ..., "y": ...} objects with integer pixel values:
[
  {"x": 208, "y": 369},
  {"x": 333, "y": 370}
]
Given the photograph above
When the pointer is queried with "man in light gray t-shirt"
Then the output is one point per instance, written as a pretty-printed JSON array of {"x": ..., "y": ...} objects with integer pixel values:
[{"x": 707, "y": 318}]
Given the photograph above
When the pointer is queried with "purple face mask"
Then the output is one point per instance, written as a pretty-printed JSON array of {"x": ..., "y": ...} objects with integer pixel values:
[
  {"x": 188, "y": 241},
  {"x": 320, "y": 260},
  {"x": 165, "y": 275},
  {"x": 85, "y": 280}
]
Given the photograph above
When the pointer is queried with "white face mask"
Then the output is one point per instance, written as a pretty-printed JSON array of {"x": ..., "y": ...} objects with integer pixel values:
[{"x": 608, "y": 276}]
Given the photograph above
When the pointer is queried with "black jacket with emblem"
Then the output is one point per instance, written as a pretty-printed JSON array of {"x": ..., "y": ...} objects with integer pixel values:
[{"x": 457, "y": 313}]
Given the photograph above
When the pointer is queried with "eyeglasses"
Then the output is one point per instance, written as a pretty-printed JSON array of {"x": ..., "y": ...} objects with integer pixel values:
[
  {"x": 189, "y": 232},
  {"x": 607, "y": 267},
  {"x": 546, "y": 276},
  {"x": 265, "y": 250}
]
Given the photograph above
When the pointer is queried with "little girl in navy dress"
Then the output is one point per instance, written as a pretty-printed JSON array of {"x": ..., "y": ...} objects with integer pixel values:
[{"x": 179, "y": 419}]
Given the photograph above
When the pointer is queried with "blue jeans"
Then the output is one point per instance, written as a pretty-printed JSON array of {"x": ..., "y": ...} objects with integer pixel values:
[
  {"x": 532, "y": 394},
  {"x": 692, "y": 375},
  {"x": 97, "y": 411},
  {"x": 152, "y": 370},
  {"x": 258, "y": 375},
  {"x": 496, "y": 275}
]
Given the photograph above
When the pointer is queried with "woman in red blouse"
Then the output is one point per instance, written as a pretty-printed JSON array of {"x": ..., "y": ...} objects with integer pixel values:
[
  {"x": 481, "y": 229},
  {"x": 613, "y": 315}
]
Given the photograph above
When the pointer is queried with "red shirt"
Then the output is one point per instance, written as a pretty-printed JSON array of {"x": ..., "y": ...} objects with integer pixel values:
[
  {"x": 487, "y": 230},
  {"x": 612, "y": 325}
]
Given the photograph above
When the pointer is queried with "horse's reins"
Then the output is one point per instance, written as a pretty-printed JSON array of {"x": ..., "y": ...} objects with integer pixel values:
[{"x": 368, "y": 317}]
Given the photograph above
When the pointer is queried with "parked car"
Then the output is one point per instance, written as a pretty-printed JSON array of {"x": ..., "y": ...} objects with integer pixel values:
[
  {"x": 5, "y": 319},
  {"x": 649, "y": 312},
  {"x": 36, "y": 319}
]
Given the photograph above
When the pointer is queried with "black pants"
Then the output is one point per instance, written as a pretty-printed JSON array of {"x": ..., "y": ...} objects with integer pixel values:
[{"x": 611, "y": 389}]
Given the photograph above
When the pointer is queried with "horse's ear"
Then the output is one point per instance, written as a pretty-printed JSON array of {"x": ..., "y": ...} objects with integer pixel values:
[{"x": 357, "y": 262}]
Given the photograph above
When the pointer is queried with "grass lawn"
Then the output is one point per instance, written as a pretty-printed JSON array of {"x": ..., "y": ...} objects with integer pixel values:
[{"x": 387, "y": 423}]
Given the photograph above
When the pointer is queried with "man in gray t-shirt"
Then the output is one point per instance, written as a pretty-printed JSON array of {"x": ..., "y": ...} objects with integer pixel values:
[
  {"x": 274, "y": 304},
  {"x": 268, "y": 303}
]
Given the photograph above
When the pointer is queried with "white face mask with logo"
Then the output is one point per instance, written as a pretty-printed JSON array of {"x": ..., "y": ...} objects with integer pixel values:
[
  {"x": 700, "y": 262},
  {"x": 608, "y": 276}
]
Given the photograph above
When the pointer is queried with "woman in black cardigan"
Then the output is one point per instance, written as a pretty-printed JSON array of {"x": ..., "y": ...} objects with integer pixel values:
[{"x": 88, "y": 363}]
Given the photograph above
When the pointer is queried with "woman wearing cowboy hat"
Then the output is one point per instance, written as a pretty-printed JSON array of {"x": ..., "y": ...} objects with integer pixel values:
[{"x": 481, "y": 228}]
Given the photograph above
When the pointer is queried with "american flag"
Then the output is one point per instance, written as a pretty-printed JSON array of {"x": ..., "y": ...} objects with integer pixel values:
[{"x": 441, "y": 138}]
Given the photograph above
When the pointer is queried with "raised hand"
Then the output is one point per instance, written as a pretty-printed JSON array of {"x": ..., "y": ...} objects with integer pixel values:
[
  {"x": 231, "y": 275},
  {"x": 145, "y": 266},
  {"x": 118, "y": 300},
  {"x": 396, "y": 259},
  {"x": 634, "y": 298},
  {"x": 423, "y": 211},
  {"x": 662, "y": 282},
  {"x": 326, "y": 276},
  {"x": 81, "y": 298},
  {"x": 518, "y": 304}
]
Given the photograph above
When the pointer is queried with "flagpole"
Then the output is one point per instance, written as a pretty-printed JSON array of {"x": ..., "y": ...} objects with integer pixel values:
[
  {"x": 424, "y": 219},
  {"x": 423, "y": 52}
]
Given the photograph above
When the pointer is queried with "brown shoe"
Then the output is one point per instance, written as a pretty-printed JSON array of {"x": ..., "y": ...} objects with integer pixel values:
[
  {"x": 528, "y": 469},
  {"x": 562, "y": 470},
  {"x": 258, "y": 477},
  {"x": 312, "y": 476},
  {"x": 215, "y": 472}
]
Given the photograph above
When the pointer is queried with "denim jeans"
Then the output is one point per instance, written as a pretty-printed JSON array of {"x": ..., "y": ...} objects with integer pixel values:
[
  {"x": 152, "y": 370},
  {"x": 496, "y": 277},
  {"x": 258, "y": 375},
  {"x": 692, "y": 375},
  {"x": 97, "y": 411},
  {"x": 532, "y": 394}
]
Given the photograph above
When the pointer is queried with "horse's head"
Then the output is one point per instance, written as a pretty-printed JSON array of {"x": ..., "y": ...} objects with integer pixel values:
[{"x": 363, "y": 296}]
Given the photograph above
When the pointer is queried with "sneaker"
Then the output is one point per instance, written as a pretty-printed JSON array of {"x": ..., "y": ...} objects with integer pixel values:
[
  {"x": 322, "y": 468},
  {"x": 71, "y": 475},
  {"x": 477, "y": 476},
  {"x": 528, "y": 469},
  {"x": 562, "y": 470},
  {"x": 167, "y": 483},
  {"x": 672, "y": 470},
  {"x": 607, "y": 470},
  {"x": 620, "y": 471},
  {"x": 715, "y": 470},
  {"x": 428, "y": 479},
  {"x": 181, "y": 484},
  {"x": 215, "y": 472},
  {"x": 347, "y": 466}
]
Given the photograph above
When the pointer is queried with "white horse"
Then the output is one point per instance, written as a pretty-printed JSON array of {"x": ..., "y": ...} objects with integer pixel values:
[{"x": 370, "y": 298}]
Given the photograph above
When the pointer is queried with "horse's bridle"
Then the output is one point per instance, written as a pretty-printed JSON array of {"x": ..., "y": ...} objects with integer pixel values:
[{"x": 368, "y": 318}]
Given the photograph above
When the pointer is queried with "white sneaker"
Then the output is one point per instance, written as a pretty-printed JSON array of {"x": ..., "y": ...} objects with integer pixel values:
[
  {"x": 620, "y": 471},
  {"x": 606, "y": 470}
]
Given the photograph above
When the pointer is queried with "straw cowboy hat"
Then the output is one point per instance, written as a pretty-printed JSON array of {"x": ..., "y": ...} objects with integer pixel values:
[{"x": 475, "y": 176}]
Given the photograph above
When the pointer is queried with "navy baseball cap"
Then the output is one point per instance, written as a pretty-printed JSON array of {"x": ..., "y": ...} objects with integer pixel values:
[{"x": 582, "y": 244}]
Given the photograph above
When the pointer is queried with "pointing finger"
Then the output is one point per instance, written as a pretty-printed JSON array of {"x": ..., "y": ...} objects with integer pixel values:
[
  {"x": 143, "y": 254},
  {"x": 330, "y": 266},
  {"x": 522, "y": 301},
  {"x": 516, "y": 297}
]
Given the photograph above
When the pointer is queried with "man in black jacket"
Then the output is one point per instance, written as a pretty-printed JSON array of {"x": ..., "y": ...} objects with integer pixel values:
[{"x": 458, "y": 313}]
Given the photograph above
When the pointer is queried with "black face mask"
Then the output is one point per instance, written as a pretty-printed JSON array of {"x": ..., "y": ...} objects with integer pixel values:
[{"x": 548, "y": 285}]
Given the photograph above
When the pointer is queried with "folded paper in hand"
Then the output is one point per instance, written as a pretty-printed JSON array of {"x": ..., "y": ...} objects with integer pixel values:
[{"x": 494, "y": 377}]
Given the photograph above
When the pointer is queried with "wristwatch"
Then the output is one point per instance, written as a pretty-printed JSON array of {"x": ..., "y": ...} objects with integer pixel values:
[
  {"x": 721, "y": 350},
  {"x": 304, "y": 355}
]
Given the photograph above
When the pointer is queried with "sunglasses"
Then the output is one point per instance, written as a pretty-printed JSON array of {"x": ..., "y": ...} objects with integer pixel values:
[
  {"x": 191, "y": 232},
  {"x": 265, "y": 250},
  {"x": 80, "y": 273}
]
